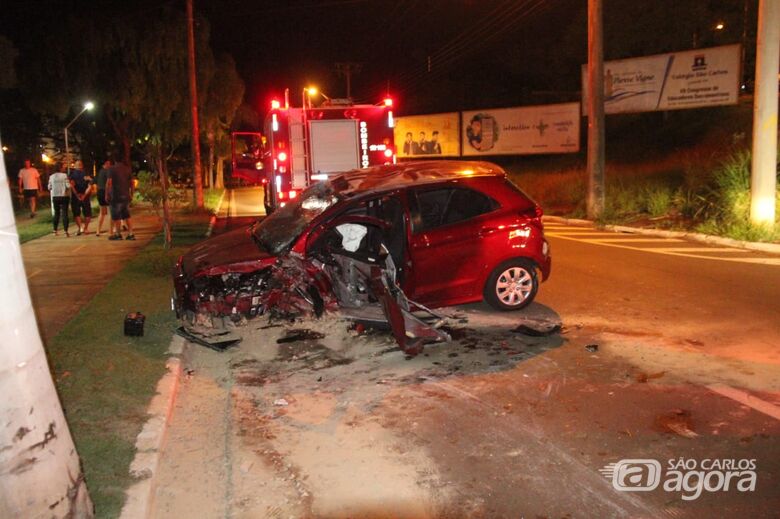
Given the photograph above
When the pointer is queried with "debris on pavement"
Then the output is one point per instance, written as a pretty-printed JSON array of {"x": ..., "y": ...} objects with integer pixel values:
[
  {"x": 302, "y": 334},
  {"x": 281, "y": 402},
  {"x": 537, "y": 332},
  {"x": 134, "y": 324},
  {"x": 215, "y": 339},
  {"x": 678, "y": 421},
  {"x": 593, "y": 348}
]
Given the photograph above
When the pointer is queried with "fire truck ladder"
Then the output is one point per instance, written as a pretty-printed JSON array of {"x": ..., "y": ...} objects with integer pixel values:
[{"x": 299, "y": 165}]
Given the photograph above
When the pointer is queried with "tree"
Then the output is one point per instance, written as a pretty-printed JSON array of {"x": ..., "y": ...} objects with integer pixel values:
[
  {"x": 225, "y": 92},
  {"x": 42, "y": 474}
]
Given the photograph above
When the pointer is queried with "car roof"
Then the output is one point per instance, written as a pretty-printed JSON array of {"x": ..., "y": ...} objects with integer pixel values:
[{"x": 394, "y": 176}]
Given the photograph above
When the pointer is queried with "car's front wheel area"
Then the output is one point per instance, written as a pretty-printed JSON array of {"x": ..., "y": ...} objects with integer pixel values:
[{"x": 512, "y": 285}]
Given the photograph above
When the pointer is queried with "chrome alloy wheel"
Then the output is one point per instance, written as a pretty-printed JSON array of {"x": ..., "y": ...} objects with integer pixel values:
[{"x": 514, "y": 286}]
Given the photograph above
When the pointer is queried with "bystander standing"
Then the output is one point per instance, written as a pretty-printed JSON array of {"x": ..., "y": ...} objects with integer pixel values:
[
  {"x": 59, "y": 187},
  {"x": 30, "y": 184},
  {"x": 119, "y": 191}
]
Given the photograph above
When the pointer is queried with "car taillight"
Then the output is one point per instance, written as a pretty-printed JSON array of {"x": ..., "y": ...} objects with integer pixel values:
[{"x": 534, "y": 212}]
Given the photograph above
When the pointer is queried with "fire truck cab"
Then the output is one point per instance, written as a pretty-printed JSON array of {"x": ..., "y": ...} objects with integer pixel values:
[{"x": 308, "y": 144}]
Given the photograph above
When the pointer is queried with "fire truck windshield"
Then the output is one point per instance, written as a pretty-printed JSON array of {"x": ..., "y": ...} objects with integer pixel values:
[{"x": 279, "y": 230}]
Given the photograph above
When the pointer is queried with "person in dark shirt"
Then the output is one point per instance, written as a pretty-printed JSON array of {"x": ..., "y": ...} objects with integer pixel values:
[
  {"x": 100, "y": 181},
  {"x": 119, "y": 191},
  {"x": 423, "y": 145},
  {"x": 81, "y": 197},
  {"x": 410, "y": 146},
  {"x": 434, "y": 146}
]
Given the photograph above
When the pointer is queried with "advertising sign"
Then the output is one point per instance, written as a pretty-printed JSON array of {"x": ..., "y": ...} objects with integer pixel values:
[
  {"x": 434, "y": 135},
  {"x": 690, "y": 79},
  {"x": 522, "y": 131}
]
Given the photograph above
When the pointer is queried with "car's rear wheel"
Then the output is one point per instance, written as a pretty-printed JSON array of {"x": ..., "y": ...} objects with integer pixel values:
[{"x": 512, "y": 285}]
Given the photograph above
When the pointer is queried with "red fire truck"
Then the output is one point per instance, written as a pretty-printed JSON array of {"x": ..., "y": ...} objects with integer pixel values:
[{"x": 307, "y": 144}]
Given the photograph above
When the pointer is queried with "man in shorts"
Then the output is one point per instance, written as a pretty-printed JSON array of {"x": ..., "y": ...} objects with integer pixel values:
[
  {"x": 29, "y": 184},
  {"x": 119, "y": 191},
  {"x": 100, "y": 182},
  {"x": 81, "y": 197}
]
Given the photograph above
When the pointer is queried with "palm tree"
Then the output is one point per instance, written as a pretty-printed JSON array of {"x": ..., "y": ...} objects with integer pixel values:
[{"x": 40, "y": 471}]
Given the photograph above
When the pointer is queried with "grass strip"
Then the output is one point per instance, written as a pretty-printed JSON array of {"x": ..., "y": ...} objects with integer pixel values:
[{"x": 106, "y": 380}]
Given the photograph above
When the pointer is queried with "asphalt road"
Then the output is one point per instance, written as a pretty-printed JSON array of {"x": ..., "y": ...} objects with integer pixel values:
[{"x": 669, "y": 354}]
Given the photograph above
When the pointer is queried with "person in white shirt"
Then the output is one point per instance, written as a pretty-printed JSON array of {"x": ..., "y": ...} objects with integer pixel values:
[
  {"x": 59, "y": 187},
  {"x": 30, "y": 184}
]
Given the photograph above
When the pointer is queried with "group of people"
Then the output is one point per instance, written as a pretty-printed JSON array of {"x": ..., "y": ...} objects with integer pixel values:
[
  {"x": 73, "y": 191},
  {"x": 423, "y": 146}
]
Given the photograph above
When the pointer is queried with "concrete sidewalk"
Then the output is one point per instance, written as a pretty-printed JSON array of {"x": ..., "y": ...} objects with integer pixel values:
[{"x": 65, "y": 273}]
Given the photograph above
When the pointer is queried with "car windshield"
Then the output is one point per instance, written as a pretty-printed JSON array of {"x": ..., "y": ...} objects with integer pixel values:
[{"x": 278, "y": 231}]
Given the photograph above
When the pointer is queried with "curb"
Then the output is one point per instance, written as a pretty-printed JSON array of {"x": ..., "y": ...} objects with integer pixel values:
[
  {"x": 772, "y": 248},
  {"x": 150, "y": 440}
]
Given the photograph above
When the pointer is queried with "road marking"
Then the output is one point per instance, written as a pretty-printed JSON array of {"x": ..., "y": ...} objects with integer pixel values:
[
  {"x": 635, "y": 240},
  {"x": 232, "y": 204},
  {"x": 34, "y": 273},
  {"x": 745, "y": 398},
  {"x": 700, "y": 249},
  {"x": 616, "y": 243},
  {"x": 79, "y": 247}
]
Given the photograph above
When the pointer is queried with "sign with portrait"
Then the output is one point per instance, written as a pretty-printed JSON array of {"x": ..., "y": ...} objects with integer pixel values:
[
  {"x": 689, "y": 79},
  {"x": 522, "y": 130},
  {"x": 421, "y": 136}
]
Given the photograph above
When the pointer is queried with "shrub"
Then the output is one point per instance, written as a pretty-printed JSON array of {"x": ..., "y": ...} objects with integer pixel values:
[{"x": 658, "y": 200}]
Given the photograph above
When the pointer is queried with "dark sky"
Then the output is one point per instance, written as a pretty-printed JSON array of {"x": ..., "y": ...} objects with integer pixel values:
[
  {"x": 483, "y": 53},
  {"x": 293, "y": 43}
]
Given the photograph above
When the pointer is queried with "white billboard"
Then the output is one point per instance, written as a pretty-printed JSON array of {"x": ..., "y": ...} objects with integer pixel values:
[
  {"x": 521, "y": 131},
  {"x": 689, "y": 79}
]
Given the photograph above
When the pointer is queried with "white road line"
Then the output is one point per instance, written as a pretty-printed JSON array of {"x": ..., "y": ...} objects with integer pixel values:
[
  {"x": 635, "y": 240},
  {"x": 745, "y": 398},
  {"x": 79, "y": 248},
  {"x": 701, "y": 249},
  {"x": 34, "y": 273},
  {"x": 615, "y": 243}
]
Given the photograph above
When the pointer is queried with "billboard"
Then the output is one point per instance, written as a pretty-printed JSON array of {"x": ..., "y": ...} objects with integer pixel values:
[
  {"x": 435, "y": 135},
  {"x": 689, "y": 79},
  {"x": 521, "y": 131}
]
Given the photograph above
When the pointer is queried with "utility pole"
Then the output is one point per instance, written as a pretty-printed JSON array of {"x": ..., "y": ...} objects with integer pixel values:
[
  {"x": 345, "y": 70},
  {"x": 41, "y": 472},
  {"x": 763, "y": 177},
  {"x": 595, "y": 110},
  {"x": 197, "y": 178}
]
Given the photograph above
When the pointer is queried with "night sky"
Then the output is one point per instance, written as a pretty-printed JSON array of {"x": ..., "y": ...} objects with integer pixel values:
[
  {"x": 482, "y": 53},
  {"x": 295, "y": 43}
]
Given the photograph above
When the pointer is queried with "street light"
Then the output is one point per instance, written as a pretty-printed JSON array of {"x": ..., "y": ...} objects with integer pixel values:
[
  {"x": 720, "y": 26},
  {"x": 89, "y": 105},
  {"x": 308, "y": 92}
]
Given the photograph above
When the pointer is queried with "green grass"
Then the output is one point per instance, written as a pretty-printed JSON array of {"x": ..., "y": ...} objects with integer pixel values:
[{"x": 105, "y": 380}]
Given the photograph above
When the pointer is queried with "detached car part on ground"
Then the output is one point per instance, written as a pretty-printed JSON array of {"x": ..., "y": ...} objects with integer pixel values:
[{"x": 443, "y": 232}]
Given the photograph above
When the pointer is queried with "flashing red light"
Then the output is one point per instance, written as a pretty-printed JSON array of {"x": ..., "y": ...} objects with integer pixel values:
[
  {"x": 282, "y": 156},
  {"x": 265, "y": 181},
  {"x": 388, "y": 153},
  {"x": 388, "y": 101},
  {"x": 275, "y": 105}
]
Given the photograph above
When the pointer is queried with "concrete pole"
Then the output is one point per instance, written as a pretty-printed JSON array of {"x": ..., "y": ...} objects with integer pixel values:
[
  {"x": 595, "y": 110},
  {"x": 67, "y": 152},
  {"x": 40, "y": 473},
  {"x": 763, "y": 178},
  {"x": 197, "y": 174}
]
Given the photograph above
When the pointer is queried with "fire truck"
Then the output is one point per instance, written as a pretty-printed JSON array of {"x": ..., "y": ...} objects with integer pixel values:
[{"x": 307, "y": 144}]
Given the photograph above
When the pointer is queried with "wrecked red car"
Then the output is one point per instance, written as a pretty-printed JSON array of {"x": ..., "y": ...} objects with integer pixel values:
[{"x": 381, "y": 244}]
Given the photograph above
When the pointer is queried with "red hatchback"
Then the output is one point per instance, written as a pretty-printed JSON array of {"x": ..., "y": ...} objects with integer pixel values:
[{"x": 455, "y": 232}]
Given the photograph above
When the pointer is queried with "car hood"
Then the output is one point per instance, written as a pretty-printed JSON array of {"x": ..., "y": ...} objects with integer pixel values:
[{"x": 234, "y": 251}]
